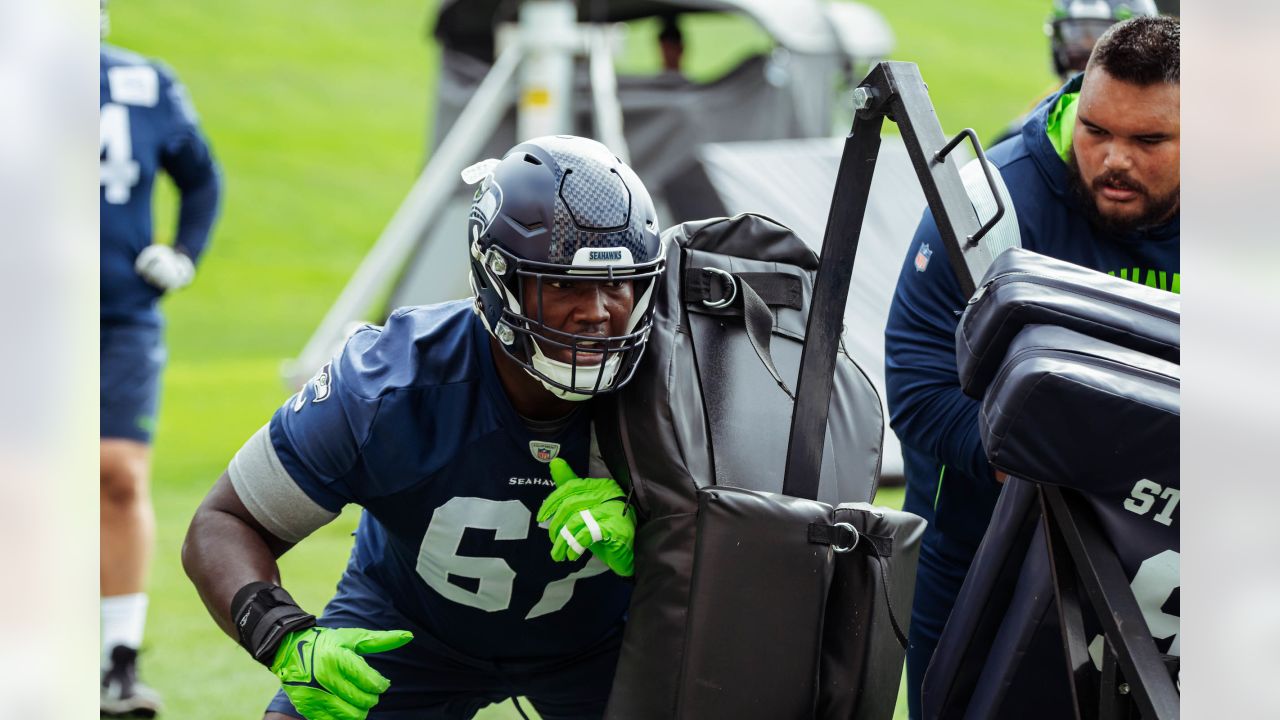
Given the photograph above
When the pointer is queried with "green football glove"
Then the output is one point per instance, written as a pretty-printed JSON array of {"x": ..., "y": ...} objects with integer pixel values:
[
  {"x": 584, "y": 513},
  {"x": 324, "y": 676}
]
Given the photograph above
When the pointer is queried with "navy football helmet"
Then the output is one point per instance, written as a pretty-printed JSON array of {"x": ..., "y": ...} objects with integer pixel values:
[
  {"x": 1075, "y": 25},
  {"x": 562, "y": 209}
]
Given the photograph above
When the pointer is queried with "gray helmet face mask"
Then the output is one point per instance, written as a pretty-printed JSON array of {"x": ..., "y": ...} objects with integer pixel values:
[
  {"x": 562, "y": 209},
  {"x": 1074, "y": 27}
]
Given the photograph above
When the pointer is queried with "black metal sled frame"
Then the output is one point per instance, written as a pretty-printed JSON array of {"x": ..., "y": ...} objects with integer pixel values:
[
  {"x": 1086, "y": 569},
  {"x": 1081, "y": 555},
  {"x": 892, "y": 90}
]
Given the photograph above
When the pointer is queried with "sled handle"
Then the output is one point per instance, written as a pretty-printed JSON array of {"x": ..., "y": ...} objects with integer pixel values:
[
  {"x": 892, "y": 90},
  {"x": 941, "y": 155}
]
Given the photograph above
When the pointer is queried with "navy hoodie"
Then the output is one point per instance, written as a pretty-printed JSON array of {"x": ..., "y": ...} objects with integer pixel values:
[{"x": 949, "y": 481}]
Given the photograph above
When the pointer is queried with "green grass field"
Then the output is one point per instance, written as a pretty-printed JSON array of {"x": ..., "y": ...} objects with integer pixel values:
[{"x": 318, "y": 113}]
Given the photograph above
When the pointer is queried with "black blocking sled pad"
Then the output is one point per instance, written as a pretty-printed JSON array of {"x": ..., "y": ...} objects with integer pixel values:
[
  {"x": 1024, "y": 288},
  {"x": 764, "y": 564},
  {"x": 1110, "y": 411},
  {"x": 749, "y": 604},
  {"x": 1080, "y": 405},
  {"x": 1087, "y": 370},
  {"x": 1066, "y": 410}
]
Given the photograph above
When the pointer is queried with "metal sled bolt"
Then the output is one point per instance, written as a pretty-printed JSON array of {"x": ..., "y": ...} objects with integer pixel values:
[{"x": 861, "y": 98}]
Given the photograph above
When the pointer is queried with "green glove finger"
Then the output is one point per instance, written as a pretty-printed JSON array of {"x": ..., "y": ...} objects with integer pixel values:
[
  {"x": 579, "y": 526},
  {"x": 581, "y": 494},
  {"x": 364, "y": 642},
  {"x": 576, "y": 494},
  {"x": 596, "y": 505},
  {"x": 566, "y": 499},
  {"x": 353, "y": 680},
  {"x": 566, "y": 490},
  {"x": 613, "y": 527},
  {"x": 561, "y": 472},
  {"x": 317, "y": 704},
  {"x": 562, "y": 550},
  {"x": 618, "y": 529},
  {"x": 359, "y": 642},
  {"x": 362, "y": 676},
  {"x": 563, "y": 476},
  {"x": 617, "y": 555}
]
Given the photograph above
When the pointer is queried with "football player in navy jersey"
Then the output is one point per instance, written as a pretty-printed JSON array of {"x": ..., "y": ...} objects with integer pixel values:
[
  {"x": 146, "y": 125},
  {"x": 451, "y": 425}
]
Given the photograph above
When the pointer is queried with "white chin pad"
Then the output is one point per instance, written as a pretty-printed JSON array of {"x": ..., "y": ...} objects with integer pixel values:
[{"x": 563, "y": 373}]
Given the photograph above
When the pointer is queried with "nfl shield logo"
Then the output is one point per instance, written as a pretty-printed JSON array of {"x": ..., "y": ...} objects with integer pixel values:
[
  {"x": 922, "y": 257},
  {"x": 544, "y": 451}
]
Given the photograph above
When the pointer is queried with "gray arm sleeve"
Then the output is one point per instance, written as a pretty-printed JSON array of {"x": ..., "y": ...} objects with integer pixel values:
[{"x": 271, "y": 496}]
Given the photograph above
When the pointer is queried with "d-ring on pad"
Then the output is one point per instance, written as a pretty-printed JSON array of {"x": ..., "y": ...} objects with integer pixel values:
[
  {"x": 733, "y": 289},
  {"x": 856, "y": 538}
]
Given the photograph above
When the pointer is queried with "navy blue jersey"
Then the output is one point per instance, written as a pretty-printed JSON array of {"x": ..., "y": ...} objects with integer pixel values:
[
  {"x": 411, "y": 422},
  {"x": 146, "y": 124},
  {"x": 949, "y": 479}
]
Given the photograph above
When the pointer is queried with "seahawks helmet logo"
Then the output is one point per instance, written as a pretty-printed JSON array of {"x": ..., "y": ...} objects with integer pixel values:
[{"x": 485, "y": 208}]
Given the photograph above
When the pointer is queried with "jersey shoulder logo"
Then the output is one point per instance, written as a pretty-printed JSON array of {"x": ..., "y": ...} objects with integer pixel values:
[
  {"x": 320, "y": 384},
  {"x": 134, "y": 85},
  {"x": 544, "y": 451},
  {"x": 319, "y": 389}
]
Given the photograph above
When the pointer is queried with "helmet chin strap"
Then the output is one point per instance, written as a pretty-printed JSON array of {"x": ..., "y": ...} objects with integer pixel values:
[{"x": 563, "y": 373}]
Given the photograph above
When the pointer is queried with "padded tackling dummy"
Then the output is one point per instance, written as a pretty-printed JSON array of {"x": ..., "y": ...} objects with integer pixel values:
[
  {"x": 710, "y": 407},
  {"x": 1066, "y": 409},
  {"x": 767, "y": 568},
  {"x": 864, "y": 639},
  {"x": 1025, "y": 288}
]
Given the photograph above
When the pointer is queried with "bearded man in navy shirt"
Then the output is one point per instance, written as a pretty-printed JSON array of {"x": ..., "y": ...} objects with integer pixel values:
[
  {"x": 1094, "y": 178},
  {"x": 458, "y": 428}
]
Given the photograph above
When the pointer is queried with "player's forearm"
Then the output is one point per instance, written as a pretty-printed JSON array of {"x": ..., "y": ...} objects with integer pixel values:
[
  {"x": 197, "y": 214},
  {"x": 222, "y": 553},
  {"x": 944, "y": 423},
  {"x": 927, "y": 408}
]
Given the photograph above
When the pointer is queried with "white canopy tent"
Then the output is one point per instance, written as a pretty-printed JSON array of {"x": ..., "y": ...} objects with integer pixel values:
[
  {"x": 789, "y": 93},
  {"x": 757, "y": 139}
]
